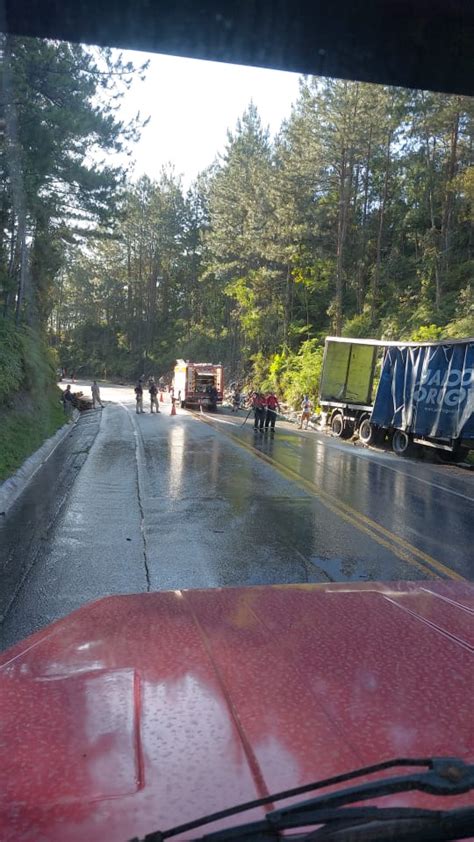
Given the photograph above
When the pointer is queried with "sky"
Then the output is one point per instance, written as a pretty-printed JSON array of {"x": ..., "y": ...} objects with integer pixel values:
[{"x": 193, "y": 103}]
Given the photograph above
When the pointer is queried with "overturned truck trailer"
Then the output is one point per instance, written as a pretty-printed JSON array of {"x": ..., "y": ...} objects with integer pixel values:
[{"x": 416, "y": 393}]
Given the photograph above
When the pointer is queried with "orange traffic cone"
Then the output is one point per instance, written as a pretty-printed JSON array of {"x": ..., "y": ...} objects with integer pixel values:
[
  {"x": 173, "y": 408},
  {"x": 161, "y": 397}
]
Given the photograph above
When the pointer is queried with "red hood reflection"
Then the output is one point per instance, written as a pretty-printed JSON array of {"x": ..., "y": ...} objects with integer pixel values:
[{"x": 141, "y": 712}]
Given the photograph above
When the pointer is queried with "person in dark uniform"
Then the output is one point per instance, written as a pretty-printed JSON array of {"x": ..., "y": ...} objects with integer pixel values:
[
  {"x": 68, "y": 401},
  {"x": 153, "y": 390},
  {"x": 139, "y": 397}
]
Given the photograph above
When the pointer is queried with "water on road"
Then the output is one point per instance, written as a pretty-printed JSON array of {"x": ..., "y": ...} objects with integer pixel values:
[{"x": 131, "y": 503}]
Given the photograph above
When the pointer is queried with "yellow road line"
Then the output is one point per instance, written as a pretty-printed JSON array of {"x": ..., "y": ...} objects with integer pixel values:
[{"x": 398, "y": 546}]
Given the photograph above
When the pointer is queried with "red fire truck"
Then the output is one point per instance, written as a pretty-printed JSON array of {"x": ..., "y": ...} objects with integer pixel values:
[{"x": 198, "y": 384}]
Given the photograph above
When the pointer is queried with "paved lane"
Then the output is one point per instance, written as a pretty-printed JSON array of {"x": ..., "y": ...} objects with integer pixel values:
[
  {"x": 418, "y": 502},
  {"x": 134, "y": 503}
]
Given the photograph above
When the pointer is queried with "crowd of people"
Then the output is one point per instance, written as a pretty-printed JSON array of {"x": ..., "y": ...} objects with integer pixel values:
[
  {"x": 265, "y": 406},
  {"x": 71, "y": 399}
]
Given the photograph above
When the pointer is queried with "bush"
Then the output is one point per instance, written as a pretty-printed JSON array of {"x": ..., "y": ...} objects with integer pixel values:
[
  {"x": 462, "y": 327},
  {"x": 359, "y": 327},
  {"x": 303, "y": 373},
  {"x": 23, "y": 431},
  {"x": 30, "y": 407},
  {"x": 11, "y": 361},
  {"x": 426, "y": 333},
  {"x": 201, "y": 345},
  {"x": 25, "y": 361},
  {"x": 38, "y": 362}
]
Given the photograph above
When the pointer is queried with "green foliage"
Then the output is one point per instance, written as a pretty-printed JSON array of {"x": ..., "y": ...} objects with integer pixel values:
[
  {"x": 38, "y": 362},
  {"x": 30, "y": 407},
  {"x": 201, "y": 344},
  {"x": 302, "y": 373},
  {"x": 25, "y": 429},
  {"x": 25, "y": 362},
  {"x": 460, "y": 328},
  {"x": 58, "y": 113},
  {"x": 261, "y": 377},
  {"x": 356, "y": 219},
  {"x": 427, "y": 333},
  {"x": 277, "y": 367},
  {"x": 359, "y": 326},
  {"x": 463, "y": 325},
  {"x": 11, "y": 361}
]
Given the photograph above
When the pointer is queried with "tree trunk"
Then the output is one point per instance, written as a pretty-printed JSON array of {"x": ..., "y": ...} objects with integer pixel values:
[
  {"x": 129, "y": 283},
  {"x": 448, "y": 204},
  {"x": 383, "y": 203},
  {"x": 360, "y": 287},
  {"x": 434, "y": 230},
  {"x": 13, "y": 166},
  {"x": 341, "y": 236},
  {"x": 345, "y": 189}
]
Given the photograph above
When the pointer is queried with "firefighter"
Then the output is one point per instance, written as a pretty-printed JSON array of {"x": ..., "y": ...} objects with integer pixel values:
[
  {"x": 271, "y": 414},
  {"x": 258, "y": 406}
]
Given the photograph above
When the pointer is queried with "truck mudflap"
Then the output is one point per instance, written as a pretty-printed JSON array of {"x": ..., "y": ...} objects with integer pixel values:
[{"x": 428, "y": 391}]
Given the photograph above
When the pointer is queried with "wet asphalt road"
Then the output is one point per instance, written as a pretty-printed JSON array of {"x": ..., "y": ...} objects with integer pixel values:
[{"x": 133, "y": 503}]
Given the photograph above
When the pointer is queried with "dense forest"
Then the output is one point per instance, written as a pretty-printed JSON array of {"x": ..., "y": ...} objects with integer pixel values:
[
  {"x": 59, "y": 134},
  {"x": 356, "y": 219}
]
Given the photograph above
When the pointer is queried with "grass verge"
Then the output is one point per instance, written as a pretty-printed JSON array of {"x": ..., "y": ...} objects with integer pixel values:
[{"x": 24, "y": 429}]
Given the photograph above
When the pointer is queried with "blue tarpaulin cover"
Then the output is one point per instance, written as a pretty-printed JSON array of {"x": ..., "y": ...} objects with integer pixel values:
[{"x": 428, "y": 391}]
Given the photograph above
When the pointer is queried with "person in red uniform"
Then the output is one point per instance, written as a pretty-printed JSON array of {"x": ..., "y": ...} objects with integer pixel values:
[
  {"x": 271, "y": 414},
  {"x": 258, "y": 405}
]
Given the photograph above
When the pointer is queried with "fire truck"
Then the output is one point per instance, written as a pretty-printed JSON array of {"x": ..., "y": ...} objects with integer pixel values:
[{"x": 198, "y": 384}]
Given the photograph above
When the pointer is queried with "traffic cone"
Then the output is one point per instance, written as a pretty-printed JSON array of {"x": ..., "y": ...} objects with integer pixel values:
[{"x": 173, "y": 408}]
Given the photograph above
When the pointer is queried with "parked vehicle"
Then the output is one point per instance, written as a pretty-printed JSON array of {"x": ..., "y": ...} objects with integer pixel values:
[
  {"x": 422, "y": 394},
  {"x": 198, "y": 384}
]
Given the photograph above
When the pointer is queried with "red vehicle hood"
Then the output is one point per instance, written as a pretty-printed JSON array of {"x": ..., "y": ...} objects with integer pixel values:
[{"x": 142, "y": 712}]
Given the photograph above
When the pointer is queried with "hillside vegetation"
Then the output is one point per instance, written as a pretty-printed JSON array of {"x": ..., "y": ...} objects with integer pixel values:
[
  {"x": 30, "y": 406},
  {"x": 356, "y": 219},
  {"x": 53, "y": 197}
]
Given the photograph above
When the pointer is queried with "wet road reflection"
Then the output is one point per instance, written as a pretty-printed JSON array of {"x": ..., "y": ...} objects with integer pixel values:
[
  {"x": 168, "y": 502},
  {"x": 428, "y": 505}
]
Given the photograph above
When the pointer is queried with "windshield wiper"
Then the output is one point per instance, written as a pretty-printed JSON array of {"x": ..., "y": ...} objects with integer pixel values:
[{"x": 444, "y": 776}]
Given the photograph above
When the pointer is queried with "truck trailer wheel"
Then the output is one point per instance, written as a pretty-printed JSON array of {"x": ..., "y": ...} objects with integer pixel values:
[
  {"x": 341, "y": 428},
  {"x": 368, "y": 434},
  {"x": 401, "y": 444},
  {"x": 337, "y": 425}
]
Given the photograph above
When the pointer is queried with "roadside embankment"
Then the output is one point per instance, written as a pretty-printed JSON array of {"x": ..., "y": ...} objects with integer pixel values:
[
  {"x": 30, "y": 402},
  {"x": 25, "y": 426}
]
